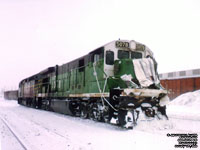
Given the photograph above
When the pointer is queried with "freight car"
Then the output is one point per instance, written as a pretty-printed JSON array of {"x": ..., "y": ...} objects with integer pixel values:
[
  {"x": 116, "y": 81},
  {"x": 11, "y": 95}
]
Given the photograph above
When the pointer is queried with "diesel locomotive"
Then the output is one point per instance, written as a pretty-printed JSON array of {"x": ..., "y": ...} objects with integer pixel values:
[{"x": 117, "y": 81}]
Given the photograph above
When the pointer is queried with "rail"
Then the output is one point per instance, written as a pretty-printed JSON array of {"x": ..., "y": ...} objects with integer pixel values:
[{"x": 14, "y": 134}]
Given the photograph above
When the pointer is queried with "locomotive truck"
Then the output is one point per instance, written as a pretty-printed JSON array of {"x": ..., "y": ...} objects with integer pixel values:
[{"x": 117, "y": 81}]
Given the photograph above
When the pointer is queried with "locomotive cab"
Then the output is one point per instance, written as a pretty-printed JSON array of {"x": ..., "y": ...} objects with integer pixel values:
[{"x": 133, "y": 82}]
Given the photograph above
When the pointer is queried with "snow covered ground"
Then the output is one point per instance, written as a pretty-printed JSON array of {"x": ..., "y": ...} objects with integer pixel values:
[{"x": 43, "y": 130}]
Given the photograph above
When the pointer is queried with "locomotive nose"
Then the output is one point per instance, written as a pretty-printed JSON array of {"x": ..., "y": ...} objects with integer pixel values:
[
  {"x": 124, "y": 71},
  {"x": 122, "y": 67}
]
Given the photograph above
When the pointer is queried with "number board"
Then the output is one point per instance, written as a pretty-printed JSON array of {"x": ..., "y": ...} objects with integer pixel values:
[{"x": 122, "y": 44}]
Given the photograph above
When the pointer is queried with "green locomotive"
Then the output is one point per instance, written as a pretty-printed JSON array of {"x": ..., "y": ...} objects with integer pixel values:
[{"x": 116, "y": 81}]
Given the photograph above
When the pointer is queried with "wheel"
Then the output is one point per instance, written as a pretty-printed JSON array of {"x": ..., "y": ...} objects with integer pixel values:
[
  {"x": 126, "y": 118},
  {"x": 93, "y": 114},
  {"x": 149, "y": 112},
  {"x": 84, "y": 113},
  {"x": 47, "y": 105},
  {"x": 83, "y": 110}
]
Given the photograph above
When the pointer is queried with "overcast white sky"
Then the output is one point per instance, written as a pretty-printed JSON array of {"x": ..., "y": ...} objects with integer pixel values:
[{"x": 36, "y": 34}]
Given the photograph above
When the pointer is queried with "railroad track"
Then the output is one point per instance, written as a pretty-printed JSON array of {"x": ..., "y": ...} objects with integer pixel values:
[{"x": 23, "y": 145}]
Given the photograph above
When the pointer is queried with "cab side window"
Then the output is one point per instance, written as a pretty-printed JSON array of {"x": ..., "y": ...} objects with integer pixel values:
[
  {"x": 96, "y": 57},
  {"x": 109, "y": 57}
]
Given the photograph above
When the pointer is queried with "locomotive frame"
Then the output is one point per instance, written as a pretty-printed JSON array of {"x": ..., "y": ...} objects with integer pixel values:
[{"x": 101, "y": 85}]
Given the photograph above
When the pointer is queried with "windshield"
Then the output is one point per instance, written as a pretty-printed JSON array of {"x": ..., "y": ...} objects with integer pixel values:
[
  {"x": 136, "y": 55},
  {"x": 122, "y": 54}
]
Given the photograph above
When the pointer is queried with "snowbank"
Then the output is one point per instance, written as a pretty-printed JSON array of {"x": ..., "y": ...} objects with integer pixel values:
[
  {"x": 186, "y": 106},
  {"x": 190, "y": 99}
]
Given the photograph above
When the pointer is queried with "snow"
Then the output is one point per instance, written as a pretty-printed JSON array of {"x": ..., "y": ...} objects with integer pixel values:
[
  {"x": 40, "y": 129},
  {"x": 186, "y": 106}
]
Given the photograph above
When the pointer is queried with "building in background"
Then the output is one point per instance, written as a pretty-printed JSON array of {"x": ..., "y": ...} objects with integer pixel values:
[{"x": 180, "y": 82}]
